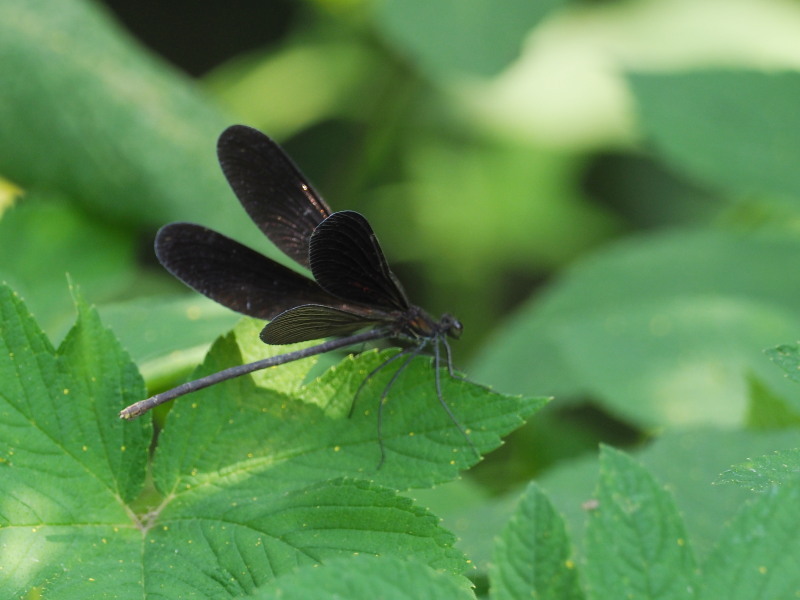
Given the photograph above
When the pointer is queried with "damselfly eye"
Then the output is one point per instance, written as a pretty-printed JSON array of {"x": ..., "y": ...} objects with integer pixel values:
[{"x": 451, "y": 326}]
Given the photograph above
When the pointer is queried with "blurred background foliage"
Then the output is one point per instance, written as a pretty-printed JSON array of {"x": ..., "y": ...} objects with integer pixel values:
[{"x": 606, "y": 193}]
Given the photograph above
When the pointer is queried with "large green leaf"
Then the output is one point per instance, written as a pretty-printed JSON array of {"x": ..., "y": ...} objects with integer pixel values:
[
  {"x": 692, "y": 353},
  {"x": 738, "y": 131},
  {"x": 88, "y": 112},
  {"x": 250, "y": 482},
  {"x": 258, "y": 432},
  {"x": 661, "y": 329},
  {"x": 69, "y": 469}
]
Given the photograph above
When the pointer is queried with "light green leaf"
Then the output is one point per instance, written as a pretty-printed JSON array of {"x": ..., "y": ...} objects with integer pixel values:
[
  {"x": 262, "y": 432},
  {"x": 69, "y": 468},
  {"x": 636, "y": 544},
  {"x": 533, "y": 556},
  {"x": 167, "y": 335},
  {"x": 757, "y": 556},
  {"x": 88, "y": 112},
  {"x": 652, "y": 326},
  {"x": 693, "y": 353},
  {"x": 289, "y": 378},
  {"x": 787, "y": 357},
  {"x": 35, "y": 237},
  {"x": 736, "y": 130},
  {"x": 781, "y": 467},
  {"x": 366, "y": 578},
  {"x": 476, "y": 37}
]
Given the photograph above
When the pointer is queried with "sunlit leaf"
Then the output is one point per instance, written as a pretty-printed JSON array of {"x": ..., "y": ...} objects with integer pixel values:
[{"x": 249, "y": 482}]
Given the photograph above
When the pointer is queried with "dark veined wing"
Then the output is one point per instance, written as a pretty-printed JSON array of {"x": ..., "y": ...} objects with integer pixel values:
[
  {"x": 232, "y": 274},
  {"x": 347, "y": 261},
  {"x": 271, "y": 189},
  {"x": 313, "y": 321}
]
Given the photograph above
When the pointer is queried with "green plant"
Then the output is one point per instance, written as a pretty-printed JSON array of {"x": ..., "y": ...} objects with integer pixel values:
[
  {"x": 634, "y": 204},
  {"x": 248, "y": 482}
]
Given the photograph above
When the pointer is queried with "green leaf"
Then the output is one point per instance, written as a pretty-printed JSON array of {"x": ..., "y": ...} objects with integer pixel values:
[
  {"x": 636, "y": 545},
  {"x": 685, "y": 327},
  {"x": 757, "y": 556},
  {"x": 245, "y": 487},
  {"x": 781, "y": 467},
  {"x": 468, "y": 510},
  {"x": 251, "y": 532},
  {"x": 787, "y": 357},
  {"x": 768, "y": 410},
  {"x": 69, "y": 468},
  {"x": 88, "y": 112},
  {"x": 688, "y": 462},
  {"x": 533, "y": 557},
  {"x": 37, "y": 235},
  {"x": 476, "y": 37},
  {"x": 167, "y": 335},
  {"x": 692, "y": 355},
  {"x": 289, "y": 378},
  {"x": 265, "y": 433},
  {"x": 367, "y": 578},
  {"x": 736, "y": 130}
]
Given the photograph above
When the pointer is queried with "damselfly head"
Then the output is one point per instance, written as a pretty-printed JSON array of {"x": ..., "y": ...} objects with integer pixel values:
[{"x": 451, "y": 326}]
